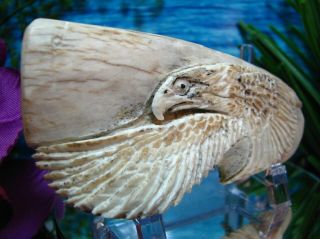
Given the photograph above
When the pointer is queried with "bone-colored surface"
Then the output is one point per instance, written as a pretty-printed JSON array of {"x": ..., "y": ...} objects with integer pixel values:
[
  {"x": 127, "y": 122},
  {"x": 79, "y": 80},
  {"x": 249, "y": 120}
]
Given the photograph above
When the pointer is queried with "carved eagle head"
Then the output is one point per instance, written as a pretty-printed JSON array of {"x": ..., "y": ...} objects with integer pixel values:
[
  {"x": 237, "y": 118},
  {"x": 267, "y": 106}
]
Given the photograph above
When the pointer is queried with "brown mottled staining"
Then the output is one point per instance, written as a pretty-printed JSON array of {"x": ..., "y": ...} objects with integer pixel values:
[{"x": 240, "y": 119}]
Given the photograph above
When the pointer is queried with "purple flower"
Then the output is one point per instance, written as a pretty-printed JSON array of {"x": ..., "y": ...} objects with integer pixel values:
[
  {"x": 25, "y": 198},
  {"x": 29, "y": 199},
  {"x": 10, "y": 114}
]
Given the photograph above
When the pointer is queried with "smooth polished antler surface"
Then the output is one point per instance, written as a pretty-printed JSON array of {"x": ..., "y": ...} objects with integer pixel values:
[{"x": 128, "y": 134}]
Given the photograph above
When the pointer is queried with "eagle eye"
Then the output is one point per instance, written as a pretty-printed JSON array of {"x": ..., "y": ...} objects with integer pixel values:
[{"x": 181, "y": 86}]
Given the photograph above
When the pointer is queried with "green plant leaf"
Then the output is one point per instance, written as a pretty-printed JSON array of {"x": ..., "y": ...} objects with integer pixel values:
[
  {"x": 281, "y": 57},
  {"x": 291, "y": 44},
  {"x": 315, "y": 162}
]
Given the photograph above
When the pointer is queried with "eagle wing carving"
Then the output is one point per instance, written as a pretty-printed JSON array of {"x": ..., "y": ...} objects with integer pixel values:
[
  {"x": 238, "y": 119},
  {"x": 139, "y": 171}
]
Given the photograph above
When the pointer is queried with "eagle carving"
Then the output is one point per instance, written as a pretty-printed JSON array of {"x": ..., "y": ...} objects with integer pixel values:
[{"x": 237, "y": 118}]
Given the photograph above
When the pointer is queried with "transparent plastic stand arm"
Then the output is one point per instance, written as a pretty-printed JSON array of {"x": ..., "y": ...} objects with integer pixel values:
[
  {"x": 146, "y": 228},
  {"x": 273, "y": 223}
]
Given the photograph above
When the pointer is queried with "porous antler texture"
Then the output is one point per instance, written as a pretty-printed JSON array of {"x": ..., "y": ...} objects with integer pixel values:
[{"x": 251, "y": 120}]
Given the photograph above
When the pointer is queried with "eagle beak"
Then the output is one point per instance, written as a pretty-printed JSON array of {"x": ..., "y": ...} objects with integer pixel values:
[
  {"x": 167, "y": 99},
  {"x": 163, "y": 102},
  {"x": 158, "y": 111}
]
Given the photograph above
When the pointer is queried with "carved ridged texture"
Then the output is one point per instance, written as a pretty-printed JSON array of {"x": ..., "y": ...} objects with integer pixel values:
[{"x": 143, "y": 169}]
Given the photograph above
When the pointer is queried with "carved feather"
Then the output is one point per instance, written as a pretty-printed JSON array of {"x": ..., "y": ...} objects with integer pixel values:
[
  {"x": 251, "y": 120},
  {"x": 139, "y": 171}
]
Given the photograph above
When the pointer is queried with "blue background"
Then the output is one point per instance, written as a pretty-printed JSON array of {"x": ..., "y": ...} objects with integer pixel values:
[{"x": 212, "y": 23}]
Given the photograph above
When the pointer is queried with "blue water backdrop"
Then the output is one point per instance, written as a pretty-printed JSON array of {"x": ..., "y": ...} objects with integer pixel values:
[{"x": 212, "y": 23}]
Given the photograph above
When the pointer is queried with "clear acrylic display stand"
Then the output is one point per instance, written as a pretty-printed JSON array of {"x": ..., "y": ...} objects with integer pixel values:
[
  {"x": 233, "y": 207},
  {"x": 271, "y": 219}
]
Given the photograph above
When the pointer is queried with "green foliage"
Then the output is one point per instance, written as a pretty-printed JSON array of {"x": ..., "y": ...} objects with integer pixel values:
[
  {"x": 76, "y": 224},
  {"x": 298, "y": 65},
  {"x": 305, "y": 196}
]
